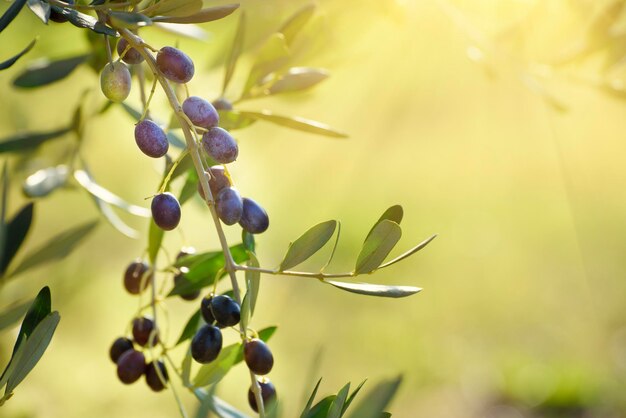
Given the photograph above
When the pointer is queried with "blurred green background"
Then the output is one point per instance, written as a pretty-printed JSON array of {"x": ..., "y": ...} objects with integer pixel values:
[{"x": 475, "y": 115}]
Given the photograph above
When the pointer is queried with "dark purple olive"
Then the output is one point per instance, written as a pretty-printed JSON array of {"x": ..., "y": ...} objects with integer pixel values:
[
  {"x": 254, "y": 219},
  {"x": 229, "y": 206},
  {"x": 179, "y": 278},
  {"x": 132, "y": 56},
  {"x": 219, "y": 180},
  {"x": 200, "y": 112},
  {"x": 130, "y": 366},
  {"x": 151, "y": 139},
  {"x": 206, "y": 344},
  {"x": 165, "y": 211},
  {"x": 220, "y": 145},
  {"x": 222, "y": 104},
  {"x": 258, "y": 356},
  {"x": 175, "y": 64},
  {"x": 268, "y": 394},
  {"x": 142, "y": 330},
  {"x": 225, "y": 311},
  {"x": 119, "y": 347},
  {"x": 152, "y": 376},
  {"x": 205, "y": 310},
  {"x": 136, "y": 277}
]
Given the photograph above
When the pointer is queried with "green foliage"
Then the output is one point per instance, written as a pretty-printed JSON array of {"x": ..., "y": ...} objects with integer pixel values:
[{"x": 308, "y": 244}]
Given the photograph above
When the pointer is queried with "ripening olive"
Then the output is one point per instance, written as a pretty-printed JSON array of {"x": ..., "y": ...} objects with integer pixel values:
[
  {"x": 220, "y": 145},
  {"x": 151, "y": 139},
  {"x": 225, "y": 311},
  {"x": 175, "y": 64},
  {"x": 200, "y": 112},
  {"x": 115, "y": 81},
  {"x": 218, "y": 181},
  {"x": 132, "y": 56},
  {"x": 143, "y": 329}
]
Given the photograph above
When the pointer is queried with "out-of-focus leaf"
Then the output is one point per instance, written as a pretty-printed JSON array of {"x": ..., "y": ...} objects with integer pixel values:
[
  {"x": 13, "y": 362},
  {"x": 232, "y": 120},
  {"x": 377, "y": 246},
  {"x": 188, "y": 31},
  {"x": 190, "y": 328},
  {"x": 298, "y": 79},
  {"x": 130, "y": 20},
  {"x": 56, "y": 248},
  {"x": 245, "y": 311},
  {"x": 377, "y": 399},
  {"x": 190, "y": 188},
  {"x": 134, "y": 113},
  {"x": 85, "y": 180},
  {"x": 395, "y": 213},
  {"x": 4, "y": 186},
  {"x": 11, "y": 13},
  {"x": 308, "y": 244},
  {"x": 332, "y": 252},
  {"x": 116, "y": 222},
  {"x": 351, "y": 398},
  {"x": 13, "y": 314},
  {"x": 307, "y": 407},
  {"x": 202, "y": 16},
  {"x": 175, "y": 140},
  {"x": 336, "y": 408},
  {"x": 223, "y": 409},
  {"x": 186, "y": 368},
  {"x": 40, "y": 9},
  {"x": 26, "y": 141},
  {"x": 43, "y": 182},
  {"x": 155, "y": 238},
  {"x": 16, "y": 231},
  {"x": 409, "y": 252},
  {"x": 295, "y": 23},
  {"x": 273, "y": 55},
  {"x": 8, "y": 63},
  {"x": 38, "y": 310},
  {"x": 34, "y": 347},
  {"x": 204, "y": 269},
  {"x": 320, "y": 409},
  {"x": 82, "y": 20},
  {"x": 253, "y": 281},
  {"x": 174, "y": 8},
  {"x": 235, "y": 51},
  {"x": 375, "y": 289},
  {"x": 45, "y": 72},
  {"x": 295, "y": 122},
  {"x": 215, "y": 371}
]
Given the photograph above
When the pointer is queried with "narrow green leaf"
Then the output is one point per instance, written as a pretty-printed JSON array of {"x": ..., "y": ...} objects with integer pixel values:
[
  {"x": 202, "y": 16},
  {"x": 245, "y": 310},
  {"x": 253, "y": 281},
  {"x": 235, "y": 52},
  {"x": 332, "y": 253},
  {"x": 248, "y": 240},
  {"x": 16, "y": 232},
  {"x": 377, "y": 246},
  {"x": 272, "y": 56},
  {"x": 28, "y": 141},
  {"x": 375, "y": 289},
  {"x": 295, "y": 122},
  {"x": 4, "y": 185},
  {"x": 45, "y": 72},
  {"x": 224, "y": 410},
  {"x": 56, "y": 248},
  {"x": 174, "y": 8},
  {"x": 395, "y": 214},
  {"x": 134, "y": 113},
  {"x": 34, "y": 347},
  {"x": 215, "y": 371},
  {"x": 175, "y": 140},
  {"x": 8, "y": 63},
  {"x": 130, "y": 20},
  {"x": 82, "y": 20},
  {"x": 188, "y": 31},
  {"x": 295, "y": 23},
  {"x": 38, "y": 310},
  {"x": 377, "y": 399},
  {"x": 190, "y": 328},
  {"x": 113, "y": 219},
  {"x": 13, "y": 314},
  {"x": 40, "y": 8},
  {"x": 186, "y": 368},
  {"x": 190, "y": 188},
  {"x": 155, "y": 238},
  {"x": 336, "y": 408},
  {"x": 350, "y": 399},
  {"x": 232, "y": 120},
  {"x": 409, "y": 252},
  {"x": 11, "y": 13},
  {"x": 43, "y": 182},
  {"x": 308, "y": 244},
  {"x": 321, "y": 409},
  {"x": 13, "y": 362},
  {"x": 307, "y": 407},
  {"x": 297, "y": 79},
  {"x": 88, "y": 183}
]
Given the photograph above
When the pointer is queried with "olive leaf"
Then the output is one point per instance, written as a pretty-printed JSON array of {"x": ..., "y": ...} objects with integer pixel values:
[
  {"x": 235, "y": 52},
  {"x": 8, "y": 63},
  {"x": 188, "y": 31},
  {"x": 377, "y": 246},
  {"x": 11, "y": 13},
  {"x": 22, "y": 142},
  {"x": 297, "y": 79},
  {"x": 43, "y": 182},
  {"x": 272, "y": 56},
  {"x": 191, "y": 327},
  {"x": 130, "y": 20},
  {"x": 232, "y": 120},
  {"x": 295, "y": 23},
  {"x": 309, "y": 403},
  {"x": 82, "y": 20},
  {"x": 16, "y": 231},
  {"x": 253, "y": 281},
  {"x": 321, "y": 409},
  {"x": 155, "y": 238},
  {"x": 375, "y": 289},
  {"x": 202, "y": 16},
  {"x": 394, "y": 213},
  {"x": 295, "y": 122},
  {"x": 174, "y": 8},
  {"x": 336, "y": 408},
  {"x": 378, "y": 398},
  {"x": 40, "y": 8},
  {"x": 308, "y": 244},
  {"x": 215, "y": 371},
  {"x": 13, "y": 314},
  {"x": 44, "y": 72},
  {"x": 352, "y": 396},
  {"x": 409, "y": 252}
]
